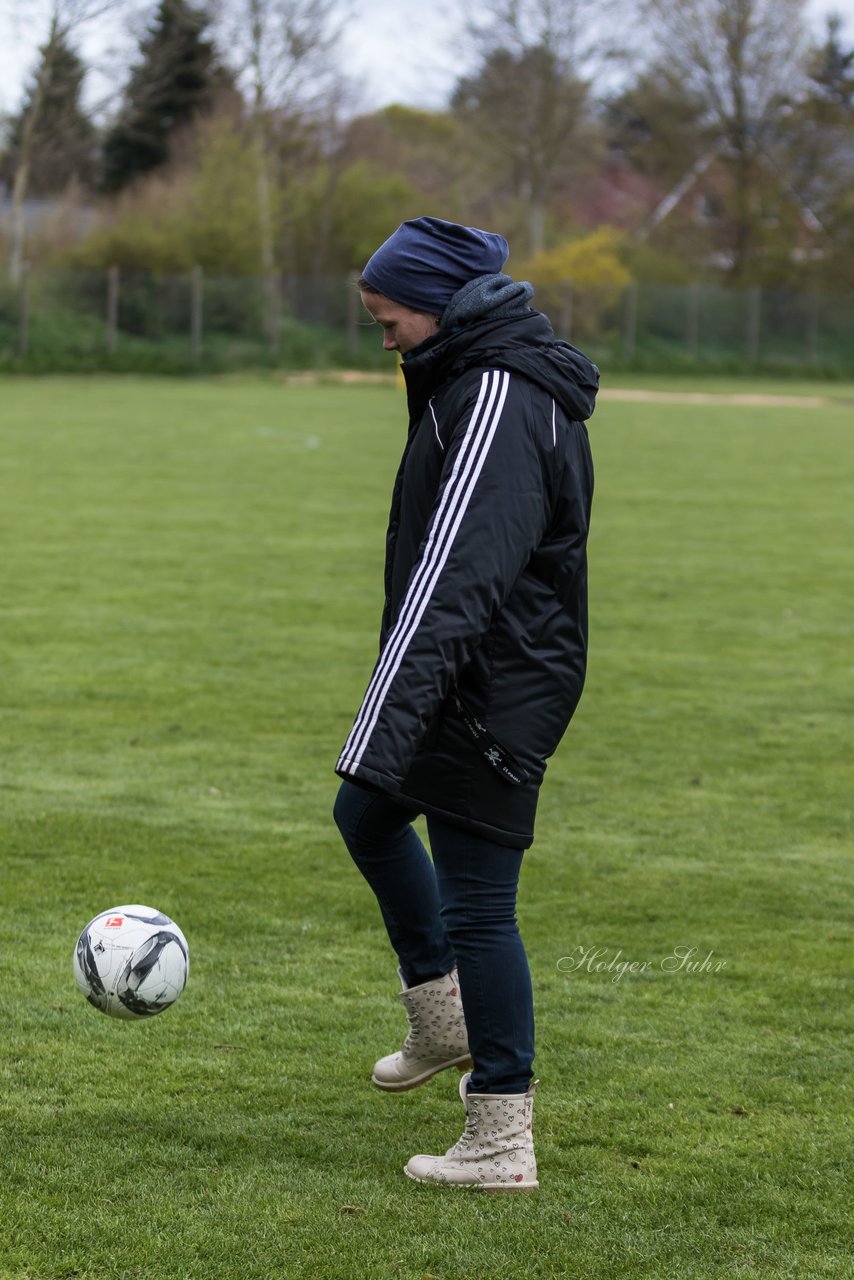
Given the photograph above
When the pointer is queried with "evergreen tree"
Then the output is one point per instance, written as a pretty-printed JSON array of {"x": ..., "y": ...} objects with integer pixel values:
[
  {"x": 62, "y": 146},
  {"x": 831, "y": 77},
  {"x": 820, "y": 155},
  {"x": 175, "y": 80}
]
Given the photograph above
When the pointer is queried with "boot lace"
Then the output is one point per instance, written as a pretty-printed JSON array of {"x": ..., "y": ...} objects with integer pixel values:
[
  {"x": 409, "y": 1044},
  {"x": 463, "y": 1144}
]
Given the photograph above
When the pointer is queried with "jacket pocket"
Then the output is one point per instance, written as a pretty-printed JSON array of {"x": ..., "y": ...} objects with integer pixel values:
[{"x": 492, "y": 751}]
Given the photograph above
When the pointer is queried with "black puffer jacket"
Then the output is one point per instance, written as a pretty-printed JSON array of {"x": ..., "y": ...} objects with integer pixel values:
[{"x": 484, "y": 632}]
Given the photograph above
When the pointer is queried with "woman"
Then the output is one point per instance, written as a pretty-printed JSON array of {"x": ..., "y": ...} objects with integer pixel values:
[{"x": 482, "y": 660}]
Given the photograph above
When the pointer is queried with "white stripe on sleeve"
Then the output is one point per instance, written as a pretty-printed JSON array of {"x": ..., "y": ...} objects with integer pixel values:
[{"x": 455, "y": 500}]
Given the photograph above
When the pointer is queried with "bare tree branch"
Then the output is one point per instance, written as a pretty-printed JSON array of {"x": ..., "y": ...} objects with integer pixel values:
[
  {"x": 281, "y": 50},
  {"x": 282, "y": 54},
  {"x": 581, "y": 34},
  {"x": 745, "y": 59}
]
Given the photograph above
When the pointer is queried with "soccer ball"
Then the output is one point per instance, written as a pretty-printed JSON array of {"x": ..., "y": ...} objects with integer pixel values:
[{"x": 131, "y": 962}]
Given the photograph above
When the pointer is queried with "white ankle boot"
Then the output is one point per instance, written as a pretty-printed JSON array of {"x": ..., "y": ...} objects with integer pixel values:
[
  {"x": 496, "y": 1152},
  {"x": 436, "y": 1039}
]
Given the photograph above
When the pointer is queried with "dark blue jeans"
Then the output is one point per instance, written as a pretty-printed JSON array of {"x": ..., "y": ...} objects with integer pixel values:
[{"x": 459, "y": 908}]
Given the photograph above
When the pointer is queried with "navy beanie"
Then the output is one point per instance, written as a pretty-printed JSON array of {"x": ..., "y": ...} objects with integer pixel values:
[{"x": 425, "y": 262}]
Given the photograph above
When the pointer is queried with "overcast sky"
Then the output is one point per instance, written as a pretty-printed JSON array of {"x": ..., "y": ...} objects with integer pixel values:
[{"x": 395, "y": 52}]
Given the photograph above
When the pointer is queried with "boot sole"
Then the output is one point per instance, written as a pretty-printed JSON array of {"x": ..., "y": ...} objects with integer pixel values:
[
  {"x": 403, "y": 1086},
  {"x": 491, "y": 1187}
]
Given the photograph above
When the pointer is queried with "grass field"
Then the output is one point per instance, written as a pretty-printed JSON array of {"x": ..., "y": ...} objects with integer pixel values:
[{"x": 190, "y": 599}]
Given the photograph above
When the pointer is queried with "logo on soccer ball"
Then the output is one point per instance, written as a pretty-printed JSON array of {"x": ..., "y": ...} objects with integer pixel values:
[{"x": 114, "y": 922}]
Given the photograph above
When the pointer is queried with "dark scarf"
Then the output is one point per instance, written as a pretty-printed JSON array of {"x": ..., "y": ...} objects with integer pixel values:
[{"x": 493, "y": 297}]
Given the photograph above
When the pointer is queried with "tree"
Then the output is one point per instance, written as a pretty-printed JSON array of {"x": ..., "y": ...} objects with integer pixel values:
[
  {"x": 830, "y": 87},
  {"x": 590, "y": 262},
  {"x": 175, "y": 80},
  {"x": 819, "y": 153},
  {"x": 584, "y": 276},
  {"x": 67, "y": 18},
  {"x": 658, "y": 125},
  {"x": 340, "y": 235},
  {"x": 431, "y": 150},
  {"x": 281, "y": 51},
  {"x": 202, "y": 213},
  {"x": 745, "y": 60},
  {"x": 62, "y": 140},
  {"x": 527, "y": 100}
]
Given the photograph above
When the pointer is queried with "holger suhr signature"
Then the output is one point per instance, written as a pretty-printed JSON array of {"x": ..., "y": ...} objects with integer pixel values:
[{"x": 681, "y": 959}]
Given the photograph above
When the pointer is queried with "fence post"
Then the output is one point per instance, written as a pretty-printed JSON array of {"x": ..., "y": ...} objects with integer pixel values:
[
  {"x": 754, "y": 309},
  {"x": 566, "y": 311},
  {"x": 24, "y": 310},
  {"x": 630, "y": 320},
  {"x": 353, "y": 305},
  {"x": 812, "y": 327},
  {"x": 273, "y": 310},
  {"x": 692, "y": 327},
  {"x": 112, "y": 307},
  {"x": 196, "y": 303}
]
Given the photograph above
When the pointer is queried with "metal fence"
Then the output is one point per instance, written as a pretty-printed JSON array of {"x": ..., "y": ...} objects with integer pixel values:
[
  {"x": 707, "y": 324},
  {"x": 112, "y": 318}
]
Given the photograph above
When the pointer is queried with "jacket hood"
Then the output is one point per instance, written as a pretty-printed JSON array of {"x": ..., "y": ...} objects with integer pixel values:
[{"x": 523, "y": 344}]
